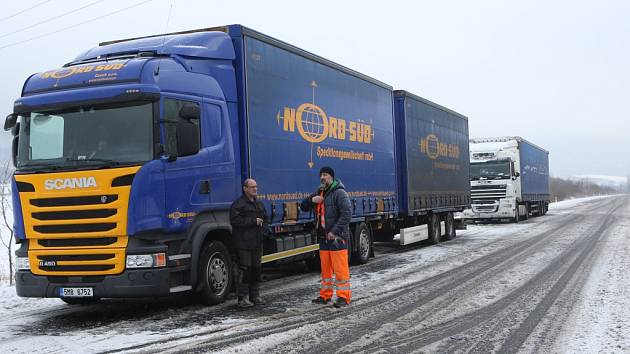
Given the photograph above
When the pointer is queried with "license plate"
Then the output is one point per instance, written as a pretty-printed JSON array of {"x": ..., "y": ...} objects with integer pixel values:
[{"x": 76, "y": 292}]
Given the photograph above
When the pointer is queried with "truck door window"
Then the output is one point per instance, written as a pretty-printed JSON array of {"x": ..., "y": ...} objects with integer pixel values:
[{"x": 171, "y": 118}]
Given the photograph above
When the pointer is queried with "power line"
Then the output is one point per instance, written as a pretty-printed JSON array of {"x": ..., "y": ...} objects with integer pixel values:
[
  {"x": 23, "y": 11},
  {"x": 51, "y": 19},
  {"x": 75, "y": 25}
]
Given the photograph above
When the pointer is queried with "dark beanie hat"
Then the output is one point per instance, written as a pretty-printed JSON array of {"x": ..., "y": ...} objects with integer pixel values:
[{"x": 327, "y": 169}]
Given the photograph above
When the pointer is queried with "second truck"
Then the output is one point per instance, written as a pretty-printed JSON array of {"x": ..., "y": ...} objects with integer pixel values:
[{"x": 509, "y": 179}]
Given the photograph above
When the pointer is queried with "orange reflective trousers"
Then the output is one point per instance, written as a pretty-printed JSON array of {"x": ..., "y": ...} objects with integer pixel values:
[{"x": 335, "y": 262}]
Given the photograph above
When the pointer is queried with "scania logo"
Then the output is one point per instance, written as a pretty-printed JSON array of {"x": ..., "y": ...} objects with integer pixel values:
[{"x": 72, "y": 183}]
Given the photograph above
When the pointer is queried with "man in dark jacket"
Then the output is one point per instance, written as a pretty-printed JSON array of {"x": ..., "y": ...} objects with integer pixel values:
[
  {"x": 333, "y": 213},
  {"x": 248, "y": 218}
]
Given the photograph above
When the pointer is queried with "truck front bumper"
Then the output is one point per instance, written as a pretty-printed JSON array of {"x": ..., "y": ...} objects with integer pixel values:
[
  {"x": 152, "y": 282},
  {"x": 489, "y": 211}
]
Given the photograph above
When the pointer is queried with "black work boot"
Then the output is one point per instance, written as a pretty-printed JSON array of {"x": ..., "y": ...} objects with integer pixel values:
[
  {"x": 321, "y": 300},
  {"x": 256, "y": 300},
  {"x": 243, "y": 302},
  {"x": 340, "y": 302}
]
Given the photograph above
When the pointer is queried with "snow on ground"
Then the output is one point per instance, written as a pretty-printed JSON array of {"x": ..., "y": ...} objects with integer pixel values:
[
  {"x": 600, "y": 321},
  {"x": 609, "y": 305}
]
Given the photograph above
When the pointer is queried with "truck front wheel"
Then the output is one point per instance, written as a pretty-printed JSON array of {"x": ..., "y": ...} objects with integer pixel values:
[
  {"x": 517, "y": 215},
  {"x": 215, "y": 274}
]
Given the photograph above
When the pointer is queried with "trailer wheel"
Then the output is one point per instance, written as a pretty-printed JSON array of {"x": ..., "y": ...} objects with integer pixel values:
[
  {"x": 215, "y": 274},
  {"x": 449, "y": 232},
  {"x": 434, "y": 229},
  {"x": 526, "y": 216},
  {"x": 364, "y": 245}
]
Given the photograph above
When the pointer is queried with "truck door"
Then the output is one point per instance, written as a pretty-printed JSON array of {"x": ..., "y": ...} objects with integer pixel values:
[{"x": 194, "y": 181}]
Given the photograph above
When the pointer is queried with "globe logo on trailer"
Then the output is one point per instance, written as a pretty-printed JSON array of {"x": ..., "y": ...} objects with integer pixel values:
[
  {"x": 312, "y": 123},
  {"x": 432, "y": 150}
]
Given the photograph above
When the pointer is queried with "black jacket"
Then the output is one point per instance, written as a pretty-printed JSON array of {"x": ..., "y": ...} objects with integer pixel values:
[
  {"x": 243, "y": 214},
  {"x": 337, "y": 209}
]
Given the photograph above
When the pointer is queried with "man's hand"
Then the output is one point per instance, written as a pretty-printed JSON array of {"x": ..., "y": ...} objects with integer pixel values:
[
  {"x": 259, "y": 221},
  {"x": 330, "y": 236},
  {"x": 317, "y": 199}
]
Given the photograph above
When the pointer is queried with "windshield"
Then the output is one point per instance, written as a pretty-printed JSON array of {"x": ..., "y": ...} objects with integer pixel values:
[
  {"x": 83, "y": 137},
  {"x": 490, "y": 170}
]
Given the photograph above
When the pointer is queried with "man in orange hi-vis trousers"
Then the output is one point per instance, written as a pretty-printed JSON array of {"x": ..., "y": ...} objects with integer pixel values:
[{"x": 333, "y": 213}]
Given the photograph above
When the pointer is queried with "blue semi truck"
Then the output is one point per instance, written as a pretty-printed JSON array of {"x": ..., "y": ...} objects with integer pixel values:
[{"x": 128, "y": 158}]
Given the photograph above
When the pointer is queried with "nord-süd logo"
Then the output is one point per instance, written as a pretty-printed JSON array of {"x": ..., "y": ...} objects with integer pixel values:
[
  {"x": 315, "y": 126},
  {"x": 434, "y": 148}
]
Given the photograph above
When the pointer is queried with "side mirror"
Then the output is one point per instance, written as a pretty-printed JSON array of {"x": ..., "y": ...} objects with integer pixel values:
[
  {"x": 190, "y": 111},
  {"x": 187, "y": 138},
  {"x": 516, "y": 174},
  {"x": 10, "y": 121}
]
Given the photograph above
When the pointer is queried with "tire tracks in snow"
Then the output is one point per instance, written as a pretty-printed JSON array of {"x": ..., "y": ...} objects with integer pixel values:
[{"x": 514, "y": 312}]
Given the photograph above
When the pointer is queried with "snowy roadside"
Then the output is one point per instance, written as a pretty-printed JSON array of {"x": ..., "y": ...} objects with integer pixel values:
[{"x": 600, "y": 321}]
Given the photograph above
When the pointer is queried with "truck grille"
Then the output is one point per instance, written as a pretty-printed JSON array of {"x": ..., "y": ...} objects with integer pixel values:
[
  {"x": 89, "y": 216},
  {"x": 79, "y": 228},
  {"x": 74, "y": 214},
  {"x": 488, "y": 192},
  {"x": 74, "y": 201},
  {"x": 480, "y": 208},
  {"x": 77, "y": 242},
  {"x": 77, "y": 232},
  {"x": 73, "y": 261},
  {"x": 78, "y": 235}
]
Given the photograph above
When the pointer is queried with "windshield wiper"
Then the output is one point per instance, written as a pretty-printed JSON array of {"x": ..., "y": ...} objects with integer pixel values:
[
  {"x": 105, "y": 162},
  {"x": 35, "y": 166}
]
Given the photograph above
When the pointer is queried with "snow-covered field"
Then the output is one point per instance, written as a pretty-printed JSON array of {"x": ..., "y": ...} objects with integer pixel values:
[{"x": 598, "y": 321}]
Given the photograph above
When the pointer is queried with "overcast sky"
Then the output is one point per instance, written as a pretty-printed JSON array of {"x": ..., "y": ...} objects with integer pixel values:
[{"x": 554, "y": 72}]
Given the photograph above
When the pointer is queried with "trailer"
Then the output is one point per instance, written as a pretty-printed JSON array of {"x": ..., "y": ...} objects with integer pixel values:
[{"x": 433, "y": 174}]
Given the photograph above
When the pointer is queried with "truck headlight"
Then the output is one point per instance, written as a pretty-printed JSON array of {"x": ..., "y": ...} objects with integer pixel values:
[
  {"x": 146, "y": 260},
  {"x": 22, "y": 263}
]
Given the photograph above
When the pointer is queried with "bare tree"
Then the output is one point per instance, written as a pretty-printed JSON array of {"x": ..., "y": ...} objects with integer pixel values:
[{"x": 6, "y": 208}]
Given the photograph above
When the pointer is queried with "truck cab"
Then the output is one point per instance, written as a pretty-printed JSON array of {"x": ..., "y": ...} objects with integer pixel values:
[{"x": 119, "y": 154}]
